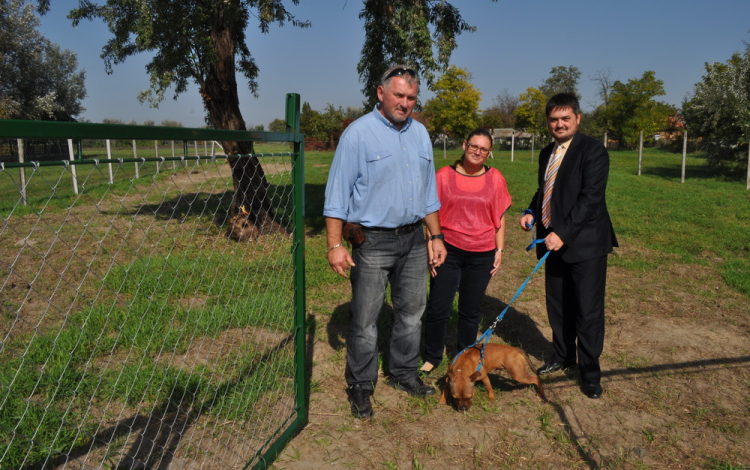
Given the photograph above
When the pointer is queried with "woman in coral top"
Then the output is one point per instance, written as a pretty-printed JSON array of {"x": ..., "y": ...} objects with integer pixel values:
[{"x": 473, "y": 202}]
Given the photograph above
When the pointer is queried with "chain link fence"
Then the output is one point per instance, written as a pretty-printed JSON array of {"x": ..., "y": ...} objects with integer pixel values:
[{"x": 135, "y": 332}]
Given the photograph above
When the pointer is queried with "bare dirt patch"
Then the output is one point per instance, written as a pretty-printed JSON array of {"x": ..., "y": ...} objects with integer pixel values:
[{"x": 676, "y": 381}]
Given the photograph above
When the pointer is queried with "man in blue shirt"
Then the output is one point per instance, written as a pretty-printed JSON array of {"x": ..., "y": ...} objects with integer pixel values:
[{"x": 383, "y": 177}]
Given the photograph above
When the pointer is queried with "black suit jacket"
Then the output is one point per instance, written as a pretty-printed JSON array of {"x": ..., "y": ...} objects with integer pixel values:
[{"x": 579, "y": 209}]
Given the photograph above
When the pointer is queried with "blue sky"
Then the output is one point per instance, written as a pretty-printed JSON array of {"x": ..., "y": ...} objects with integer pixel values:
[{"x": 515, "y": 46}]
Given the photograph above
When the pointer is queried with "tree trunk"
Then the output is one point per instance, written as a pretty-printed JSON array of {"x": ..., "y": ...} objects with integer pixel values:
[{"x": 219, "y": 93}]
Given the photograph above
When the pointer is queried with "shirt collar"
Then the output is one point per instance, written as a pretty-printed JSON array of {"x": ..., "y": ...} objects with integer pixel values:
[{"x": 565, "y": 145}]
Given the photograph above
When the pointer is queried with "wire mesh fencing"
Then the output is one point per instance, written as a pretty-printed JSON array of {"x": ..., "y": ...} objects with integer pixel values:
[{"x": 136, "y": 332}]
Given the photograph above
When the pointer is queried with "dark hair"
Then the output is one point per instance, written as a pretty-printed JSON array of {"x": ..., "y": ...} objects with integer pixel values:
[
  {"x": 563, "y": 100},
  {"x": 479, "y": 131}
]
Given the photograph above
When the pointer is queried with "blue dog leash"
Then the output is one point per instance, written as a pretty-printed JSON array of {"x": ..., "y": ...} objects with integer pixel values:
[{"x": 488, "y": 333}]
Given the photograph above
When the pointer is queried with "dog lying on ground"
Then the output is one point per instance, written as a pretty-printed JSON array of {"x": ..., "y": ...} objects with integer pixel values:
[{"x": 459, "y": 384}]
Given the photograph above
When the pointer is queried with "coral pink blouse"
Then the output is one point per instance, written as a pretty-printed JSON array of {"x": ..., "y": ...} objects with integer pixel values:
[{"x": 471, "y": 207}]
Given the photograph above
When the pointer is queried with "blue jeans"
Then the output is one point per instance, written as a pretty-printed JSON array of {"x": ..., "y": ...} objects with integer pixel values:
[
  {"x": 401, "y": 260},
  {"x": 469, "y": 274}
]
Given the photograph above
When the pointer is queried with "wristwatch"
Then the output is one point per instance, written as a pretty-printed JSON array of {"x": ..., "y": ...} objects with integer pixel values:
[{"x": 439, "y": 236}]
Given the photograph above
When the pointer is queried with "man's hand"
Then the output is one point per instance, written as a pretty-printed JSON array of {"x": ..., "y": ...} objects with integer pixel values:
[
  {"x": 527, "y": 220},
  {"x": 340, "y": 261},
  {"x": 553, "y": 242}
]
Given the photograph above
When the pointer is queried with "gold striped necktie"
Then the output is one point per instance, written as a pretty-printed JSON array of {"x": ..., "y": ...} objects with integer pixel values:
[{"x": 549, "y": 185}]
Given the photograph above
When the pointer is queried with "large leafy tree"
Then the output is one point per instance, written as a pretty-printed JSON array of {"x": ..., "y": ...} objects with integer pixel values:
[
  {"x": 530, "y": 113},
  {"x": 38, "y": 80},
  {"x": 719, "y": 110},
  {"x": 632, "y": 108},
  {"x": 419, "y": 33},
  {"x": 455, "y": 108},
  {"x": 562, "y": 80},
  {"x": 201, "y": 42}
]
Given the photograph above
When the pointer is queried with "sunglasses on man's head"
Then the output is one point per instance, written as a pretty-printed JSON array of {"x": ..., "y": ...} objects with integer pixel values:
[{"x": 400, "y": 72}]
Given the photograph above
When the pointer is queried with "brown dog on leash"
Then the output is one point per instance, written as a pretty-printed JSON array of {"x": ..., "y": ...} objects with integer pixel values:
[{"x": 459, "y": 384}]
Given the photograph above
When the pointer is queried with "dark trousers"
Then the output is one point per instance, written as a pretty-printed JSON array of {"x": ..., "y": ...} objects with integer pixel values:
[
  {"x": 575, "y": 307},
  {"x": 465, "y": 272}
]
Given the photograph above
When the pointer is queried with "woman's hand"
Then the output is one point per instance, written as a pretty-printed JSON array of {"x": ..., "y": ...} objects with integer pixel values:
[
  {"x": 497, "y": 263},
  {"x": 430, "y": 254}
]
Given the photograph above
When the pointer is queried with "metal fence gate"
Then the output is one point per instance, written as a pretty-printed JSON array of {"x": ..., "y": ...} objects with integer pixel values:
[{"x": 135, "y": 333}]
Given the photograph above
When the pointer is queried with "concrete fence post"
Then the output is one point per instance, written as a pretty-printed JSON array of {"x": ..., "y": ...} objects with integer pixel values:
[
  {"x": 72, "y": 157},
  {"x": 135, "y": 155},
  {"x": 109, "y": 164},
  {"x": 22, "y": 171}
]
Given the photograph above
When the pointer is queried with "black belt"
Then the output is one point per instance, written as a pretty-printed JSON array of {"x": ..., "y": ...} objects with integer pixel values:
[{"x": 402, "y": 230}]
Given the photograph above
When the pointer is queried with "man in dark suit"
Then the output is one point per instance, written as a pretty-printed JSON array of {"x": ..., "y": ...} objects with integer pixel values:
[{"x": 571, "y": 215}]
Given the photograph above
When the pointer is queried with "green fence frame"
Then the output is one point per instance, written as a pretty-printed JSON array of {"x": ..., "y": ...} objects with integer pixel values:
[{"x": 21, "y": 129}]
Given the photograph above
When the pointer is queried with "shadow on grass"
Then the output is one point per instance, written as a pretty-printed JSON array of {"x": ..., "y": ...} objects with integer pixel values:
[
  {"x": 338, "y": 325},
  {"x": 516, "y": 328},
  {"x": 314, "y": 201},
  {"x": 692, "y": 172},
  {"x": 160, "y": 431}
]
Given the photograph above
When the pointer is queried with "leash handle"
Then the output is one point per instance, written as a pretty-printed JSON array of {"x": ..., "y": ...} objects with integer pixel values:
[{"x": 532, "y": 227}]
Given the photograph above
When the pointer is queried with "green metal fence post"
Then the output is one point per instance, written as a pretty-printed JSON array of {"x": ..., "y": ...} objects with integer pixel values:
[
  {"x": 301, "y": 379},
  {"x": 298, "y": 175}
]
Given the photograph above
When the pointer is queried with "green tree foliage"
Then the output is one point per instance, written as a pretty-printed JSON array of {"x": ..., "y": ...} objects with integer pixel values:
[
  {"x": 632, "y": 108},
  {"x": 322, "y": 129},
  {"x": 277, "y": 125},
  {"x": 562, "y": 80},
  {"x": 501, "y": 114},
  {"x": 530, "y": 113},
  {"x": 38, "y": 80},
  {"x": 419, "y": 33},
  {"x": 455, "y": 108},
  {"x": 719, "y": 110}
]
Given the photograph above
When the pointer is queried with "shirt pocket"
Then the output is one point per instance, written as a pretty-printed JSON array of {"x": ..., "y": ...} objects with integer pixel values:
[
  {"x": 379, "y": 166},
  {"x": 425, "y": 162}
]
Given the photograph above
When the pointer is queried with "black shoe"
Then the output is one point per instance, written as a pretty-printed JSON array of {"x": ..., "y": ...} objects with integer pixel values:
[
  {"x": 552, "y": 366},
  {"x": 592, "y": 390},
  {"x": 415, "y": 387},
  {"x": 360, "y": 401}
]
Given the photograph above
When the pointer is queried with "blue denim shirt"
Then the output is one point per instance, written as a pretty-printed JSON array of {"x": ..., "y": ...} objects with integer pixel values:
[{"x": 382, "y": 176}]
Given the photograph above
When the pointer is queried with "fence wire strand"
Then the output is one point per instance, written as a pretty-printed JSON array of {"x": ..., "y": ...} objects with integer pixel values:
[{"x": 135, "y": 333}]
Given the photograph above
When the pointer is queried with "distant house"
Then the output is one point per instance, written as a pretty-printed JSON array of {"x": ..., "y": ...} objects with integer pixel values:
[{"x": 505, "y": 136}]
